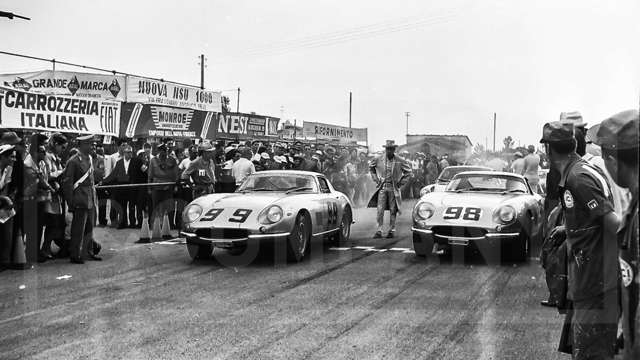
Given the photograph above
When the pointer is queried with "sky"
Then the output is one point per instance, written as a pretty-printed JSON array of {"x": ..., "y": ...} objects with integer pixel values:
[{"x": 450, "y": 63}]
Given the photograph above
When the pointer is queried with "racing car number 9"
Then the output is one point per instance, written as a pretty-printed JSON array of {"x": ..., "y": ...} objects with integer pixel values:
[
  {"x": 470, "y": 213},
  {"x": 239, "y": 216}
]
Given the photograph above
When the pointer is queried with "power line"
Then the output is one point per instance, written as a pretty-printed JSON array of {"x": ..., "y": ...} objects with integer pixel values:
[
  {"x": 114, "y": 72},
  {"x": 323, "y": 40}
]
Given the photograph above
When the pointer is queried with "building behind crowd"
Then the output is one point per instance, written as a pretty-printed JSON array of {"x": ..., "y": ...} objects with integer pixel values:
[{"x": 458, "y": 147}]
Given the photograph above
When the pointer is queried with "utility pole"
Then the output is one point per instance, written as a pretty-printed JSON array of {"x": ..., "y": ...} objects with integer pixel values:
[
  {"x": 202, "y": 66},
  {"x": 350, "y": 102},
  {"x": 407, "y": 114},
  {"x": 238, "y": 102},
  {"x": 494, "y": 132}
]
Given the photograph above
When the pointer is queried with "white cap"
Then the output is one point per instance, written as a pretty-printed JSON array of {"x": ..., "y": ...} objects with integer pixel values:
[
  {"x": 228, "y": 165},
  {"x": 265, "y": 156}
]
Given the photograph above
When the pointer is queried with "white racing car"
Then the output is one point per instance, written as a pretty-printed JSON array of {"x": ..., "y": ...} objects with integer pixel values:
[{"x": 280, "y": 205}]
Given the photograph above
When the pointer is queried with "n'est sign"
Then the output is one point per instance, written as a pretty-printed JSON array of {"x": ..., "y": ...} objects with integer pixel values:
[{"x": 232, "y": 124}]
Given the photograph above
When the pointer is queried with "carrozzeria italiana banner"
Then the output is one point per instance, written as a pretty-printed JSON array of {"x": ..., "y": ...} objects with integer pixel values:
[{"x": 58, "y": 113}]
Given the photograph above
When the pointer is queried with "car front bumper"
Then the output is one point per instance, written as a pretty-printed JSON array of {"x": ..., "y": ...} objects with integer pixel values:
[
  {"x": 230, "y": 243},
  {"x": 427, "y": 236}
]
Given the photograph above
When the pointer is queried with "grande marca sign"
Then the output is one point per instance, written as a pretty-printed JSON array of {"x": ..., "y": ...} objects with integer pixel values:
[
  {"x": 82, "y": 85},
  {"x": 58, "y": 113},
  {"x": 154, "y": 92}
]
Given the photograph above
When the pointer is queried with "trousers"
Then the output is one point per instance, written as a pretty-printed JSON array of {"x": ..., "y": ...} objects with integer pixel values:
[
  {"x": 387, "y": 200},
  {"x": 81, "y": 232}
]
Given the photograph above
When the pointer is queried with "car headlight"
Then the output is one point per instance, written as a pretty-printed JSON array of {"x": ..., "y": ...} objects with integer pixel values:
[
  {"x": 272, "y": 215},
  {"x": 192, "y": 213},
  {"x": 505, "y": 214},
  {"x": 425, "y": 210},
  {"x": 425, "y": 190}
]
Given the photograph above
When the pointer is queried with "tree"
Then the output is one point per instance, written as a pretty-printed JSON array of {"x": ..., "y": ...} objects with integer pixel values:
[
  {"x": 478, "y": 149},
  {"x": 508, "y": 142}
]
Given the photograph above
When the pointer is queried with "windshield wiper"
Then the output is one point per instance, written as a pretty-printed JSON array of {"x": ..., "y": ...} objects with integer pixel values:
[
  {"x": 306, "y": 188},
  {"x": 256, "y": 189}
]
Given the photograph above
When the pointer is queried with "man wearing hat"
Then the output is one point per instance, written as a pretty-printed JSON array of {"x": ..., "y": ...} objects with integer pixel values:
[
  {"x": 201, "y": 171},
  {"x": 390, "y": 172},
  {"x": 618, "y": 138},
  {"x": 162, "y": 169},
  {"x": 592, "y": 259},
  {"x": 80, "y": 196}
]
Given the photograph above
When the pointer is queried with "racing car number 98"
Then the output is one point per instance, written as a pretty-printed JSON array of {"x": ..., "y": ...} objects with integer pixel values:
[{"x": 455, "y": 212}]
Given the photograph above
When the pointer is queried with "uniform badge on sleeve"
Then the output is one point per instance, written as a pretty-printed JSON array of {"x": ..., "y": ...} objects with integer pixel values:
[
  {"x": 592, "y": 204},
  {"x": 627, "y": 273},
  {"x": 568, "y": 199}
]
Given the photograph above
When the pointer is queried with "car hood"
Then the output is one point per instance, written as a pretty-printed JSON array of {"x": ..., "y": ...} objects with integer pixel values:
[
  {"x": 483, "y": 200},
  {"x": 255, "y": 201}
]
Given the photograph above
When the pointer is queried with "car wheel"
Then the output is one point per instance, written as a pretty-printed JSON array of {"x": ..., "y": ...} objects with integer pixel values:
[
  {"x": 299, "y": 240},
  {"x": 422, "y": 246},
  {"x": 197, "y": 251},
  {"x": 342, "y": 235}
]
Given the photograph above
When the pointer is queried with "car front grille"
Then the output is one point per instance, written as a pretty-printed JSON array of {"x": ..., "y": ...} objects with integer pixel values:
[
  {"x": 459, "y": 231},
  {"x": 223, "y": 233}
]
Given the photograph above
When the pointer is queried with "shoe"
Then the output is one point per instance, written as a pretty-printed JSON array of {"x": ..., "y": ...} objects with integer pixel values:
[
  {"x": 390, "y": 235},
  {"x": 23, "y": 266},
  {"x": 76, "y": 261},
  {"x": 94, "y": 258},
  {"x": 133, "y": 226},
  {"x": 547, "y": 303},
  {"x": 47, "y": 255},
  {"x": 377, "y": 235},
  {"x": 42, "y": 259},
  {"x": 62, "y": 253},
  {"x": 96, "y": 248},
  {"x": 144, "y": 241},
  {"x": 120, "y": 227}
]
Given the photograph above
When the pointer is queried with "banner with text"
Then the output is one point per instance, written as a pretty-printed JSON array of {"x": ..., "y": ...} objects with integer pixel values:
[
  {"x": 82, "y": 85},
  {"x": 245, "y": 126},
  {"x": 343, "y": 134},
  {"x": 146, "y": 91},
  {"x": 58, "y": 113},
  {"x": 144, "y": 120}
]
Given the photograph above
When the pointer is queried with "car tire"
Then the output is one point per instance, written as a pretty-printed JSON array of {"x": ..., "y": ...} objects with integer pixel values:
[
  {"x": 421, "y": 245},
  {"x": 344, "y": 233},
  {"x": 299, "y": 241},
  {"x": 199, "y": 252}
]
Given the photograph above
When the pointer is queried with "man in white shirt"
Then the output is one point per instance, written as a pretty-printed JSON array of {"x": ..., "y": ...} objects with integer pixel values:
[{"x": 243, "y": 167}]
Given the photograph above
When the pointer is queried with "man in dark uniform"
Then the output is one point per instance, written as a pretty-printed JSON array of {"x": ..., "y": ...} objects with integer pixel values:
[
  {"x": 618, "y": 138},
  {"x": 80, "y": 195},
  {"x": 590, "y": 226}
]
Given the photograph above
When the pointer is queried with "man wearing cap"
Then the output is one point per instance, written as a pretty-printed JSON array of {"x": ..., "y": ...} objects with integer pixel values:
[
  {"x": 618, "y": 138},
  {"x": 201, "y": 171},
  {"x": 79, "y": 193},
  {"x": 590, "y": 227},
  {"x": 390, "y": 173}
]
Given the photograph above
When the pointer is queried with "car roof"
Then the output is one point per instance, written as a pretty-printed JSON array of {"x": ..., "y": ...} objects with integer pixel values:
[
  {"x": 467, "y": 166},
  {"x": 491, "y": 173},
  {"x": 288, "y": 172}
]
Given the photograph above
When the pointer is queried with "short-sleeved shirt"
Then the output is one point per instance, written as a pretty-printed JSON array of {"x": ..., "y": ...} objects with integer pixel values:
[
  {"x": 200, "y": 172},
  {"x": 517, "y": 166},
  {"x": 593, "y": 262}
]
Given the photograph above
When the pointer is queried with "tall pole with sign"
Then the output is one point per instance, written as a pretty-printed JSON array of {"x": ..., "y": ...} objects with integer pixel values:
[
  {"x": 238, "y": 102},
  {"x": 494, "y": 132},
  {"x": 202, "y": 71}
]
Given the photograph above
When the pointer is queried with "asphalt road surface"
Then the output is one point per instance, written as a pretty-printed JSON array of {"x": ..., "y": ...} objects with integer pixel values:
[{"x": 369, "y": 299}]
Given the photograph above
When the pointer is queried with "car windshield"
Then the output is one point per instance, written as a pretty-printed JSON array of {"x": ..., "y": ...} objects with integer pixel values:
[
  {"x": 449, "y": 172},
  {"x": 278, "y": 182},
  {"x": 487, "y": 183}
]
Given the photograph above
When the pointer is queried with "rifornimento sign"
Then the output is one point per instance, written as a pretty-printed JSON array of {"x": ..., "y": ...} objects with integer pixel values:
[
  {"x": 322, "y": 131},
  {"x": 57, "y": 113}
]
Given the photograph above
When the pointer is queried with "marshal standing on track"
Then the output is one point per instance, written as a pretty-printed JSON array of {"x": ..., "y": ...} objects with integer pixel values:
[
  {"x": 618, "y": 138},
  {"x": 590, "y": 226}
]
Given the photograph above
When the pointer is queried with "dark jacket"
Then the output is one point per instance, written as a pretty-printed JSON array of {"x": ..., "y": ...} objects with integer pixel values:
[{"x": 83, "y": 195}]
